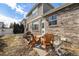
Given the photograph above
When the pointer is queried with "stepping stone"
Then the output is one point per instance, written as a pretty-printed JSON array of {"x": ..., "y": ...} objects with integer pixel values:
[{"x": 41, "y": 52}]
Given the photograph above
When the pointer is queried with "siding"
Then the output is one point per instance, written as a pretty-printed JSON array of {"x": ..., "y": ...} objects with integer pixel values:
[
  {"x": 42, "y": 8},
  {"x": 40, "y": 12}
]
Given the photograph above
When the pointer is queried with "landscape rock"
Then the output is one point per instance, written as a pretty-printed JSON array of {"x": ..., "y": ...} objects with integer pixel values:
[{"x": 33, "y": 53}]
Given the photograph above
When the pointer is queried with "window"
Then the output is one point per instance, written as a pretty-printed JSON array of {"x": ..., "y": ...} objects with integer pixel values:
[
  {"x": 42, "y": 25},
  {"x": 35, "y": 12},
  {"x": 52, "y": 20},
  {"x": 35, "y": 25}
]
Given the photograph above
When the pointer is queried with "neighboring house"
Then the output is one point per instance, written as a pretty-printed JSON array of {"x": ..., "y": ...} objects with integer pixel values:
[
  {"x": 35, "y": 20},
  {"x": 4, "y": 30},
  {"x": 1, "y": 25}
]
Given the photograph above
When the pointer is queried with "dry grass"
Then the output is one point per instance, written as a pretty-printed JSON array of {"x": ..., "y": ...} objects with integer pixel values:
[{"x": 16, "y": 46}]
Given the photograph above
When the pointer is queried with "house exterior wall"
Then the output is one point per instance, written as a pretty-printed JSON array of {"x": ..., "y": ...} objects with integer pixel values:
[
  {"x": 67, "y": 23},
  {"x": 42, "y": 8},
  {"x": 40, "y": 12},
  {"x": 30, "y": 26},
  {"x": 42, "y": 29}
]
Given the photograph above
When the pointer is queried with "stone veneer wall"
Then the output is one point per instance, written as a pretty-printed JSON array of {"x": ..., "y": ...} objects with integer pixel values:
[{"x": 68, "y": 23}]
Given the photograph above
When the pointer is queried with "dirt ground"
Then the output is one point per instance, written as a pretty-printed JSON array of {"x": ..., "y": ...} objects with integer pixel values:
[{"x": 15, "y": 45}]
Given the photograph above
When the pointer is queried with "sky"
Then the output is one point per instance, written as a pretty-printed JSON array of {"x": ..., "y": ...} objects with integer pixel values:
[{"x": 15, "y": 12}]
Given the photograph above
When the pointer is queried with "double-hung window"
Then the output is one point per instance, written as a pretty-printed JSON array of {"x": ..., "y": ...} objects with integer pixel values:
[
  {"x": 35, "y": 26},
  {"x": 52, "y": 20}
]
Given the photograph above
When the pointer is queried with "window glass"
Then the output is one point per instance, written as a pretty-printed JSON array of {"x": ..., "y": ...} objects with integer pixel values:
[
  {"x": 52, "y": 20},
  {"x": 35, "y": 26},
  {"x": 42, "y": 25}
]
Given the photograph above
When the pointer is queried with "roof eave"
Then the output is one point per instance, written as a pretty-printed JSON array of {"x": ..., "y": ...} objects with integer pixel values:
[
  {"x": 32, "y": 9},
  {"x": 35, "y": 7},
  {"x": 59, "y": 8}
]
